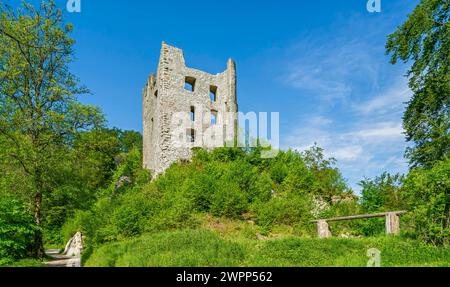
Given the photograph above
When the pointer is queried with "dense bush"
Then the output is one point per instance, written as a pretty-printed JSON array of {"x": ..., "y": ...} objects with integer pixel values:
[
  {"x": 268, "y": 197},
  {"x": 382, "y": 193},
  {"x": 227, "y": 182},
  {"x": 362, "y": 227},
  {"x": 291, "y": 210},
  {"x": 228, "y": 200},
  {"x": 17, "y": 229},
  {"x": 427, "y": 192}
]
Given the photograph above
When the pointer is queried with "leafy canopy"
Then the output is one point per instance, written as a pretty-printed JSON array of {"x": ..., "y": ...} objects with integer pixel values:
[
  {"x": 424, "y": 39},
  {"x": 39, "y": 111}
]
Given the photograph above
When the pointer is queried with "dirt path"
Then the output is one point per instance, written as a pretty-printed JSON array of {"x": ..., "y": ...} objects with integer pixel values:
[{"x": 59, "y": 260}]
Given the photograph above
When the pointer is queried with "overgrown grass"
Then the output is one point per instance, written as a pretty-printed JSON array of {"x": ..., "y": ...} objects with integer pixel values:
[
  {"x": 171, "y": 249},
  {"x": 25, "y": 263},
  {"x": 200, "y": 248},
  {"x": 337, "y": 252}
]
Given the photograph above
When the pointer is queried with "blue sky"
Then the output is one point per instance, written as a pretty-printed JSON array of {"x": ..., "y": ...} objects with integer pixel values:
[{"x": 320, "y": 63}]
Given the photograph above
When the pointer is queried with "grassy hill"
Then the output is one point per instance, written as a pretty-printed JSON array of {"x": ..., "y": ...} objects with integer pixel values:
[
  {"x": 229, "y": 207},
  {"x": 206, "y": 248}
]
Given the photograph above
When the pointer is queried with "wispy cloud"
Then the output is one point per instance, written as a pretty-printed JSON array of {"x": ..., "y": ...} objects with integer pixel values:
[
  {"x": 359, "y": 99},
  {"x": 347, "y": 153},
  {"x": 348, "y": 143},
  {"x": 388, "y": 101},
  {"x": 380, "y": 132},
  {"x": 363, "y": 149},
  {"x": 330, "y": 71}
]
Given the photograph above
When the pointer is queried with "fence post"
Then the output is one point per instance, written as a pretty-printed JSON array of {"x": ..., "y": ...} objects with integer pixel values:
[
  {"x": 392, "y": 223},
  {"x": 323, "y": 228}
]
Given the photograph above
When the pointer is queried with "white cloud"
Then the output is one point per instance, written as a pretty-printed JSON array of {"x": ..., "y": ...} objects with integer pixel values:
[
  {"x": 363, "y": 147},
  {"x": 358, "y": 96},
  {"x": 380, "y": 132},
  {"x": 330, "y": 71},
  {"x": 392, "y": 99},
  {"x": 349, "y": 153},
  {"x": 320, "y": 121},
  {"x": 357, "y": 142}
]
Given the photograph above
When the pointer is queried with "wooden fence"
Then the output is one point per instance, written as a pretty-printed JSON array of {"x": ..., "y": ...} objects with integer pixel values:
[{"x": 392, "y": 222}]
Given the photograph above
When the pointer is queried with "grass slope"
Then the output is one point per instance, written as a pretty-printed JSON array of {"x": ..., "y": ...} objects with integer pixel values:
[
  {"x": 25, "y": 263},
  {"x": 200, "y": 248}
]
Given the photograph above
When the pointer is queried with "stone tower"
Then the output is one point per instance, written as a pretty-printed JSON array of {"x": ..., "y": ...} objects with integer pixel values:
[{"x": 208, "y": 102}]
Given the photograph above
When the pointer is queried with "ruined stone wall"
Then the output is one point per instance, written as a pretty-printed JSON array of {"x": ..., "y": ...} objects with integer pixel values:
[{"x": 164, "y": 95}]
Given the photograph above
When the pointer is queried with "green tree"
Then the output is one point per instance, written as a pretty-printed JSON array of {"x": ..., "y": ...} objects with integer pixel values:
[
  {"x": 17, "y": 229},
  {"x": 427, "y": 193},
  {"x": 329, "y": 180},
  {"x": 424, "y": 39},
  {"x": 78, "y": 179},
  {"x": 39, "y": 111},
  {"x": 382, "y": 193},
  {"x": 129, "y": 140}
]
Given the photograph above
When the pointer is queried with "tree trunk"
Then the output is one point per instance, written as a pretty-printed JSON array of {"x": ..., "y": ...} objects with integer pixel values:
[
  {"x": 447, "y": 221},
  {"x": 38, "y": 246}
]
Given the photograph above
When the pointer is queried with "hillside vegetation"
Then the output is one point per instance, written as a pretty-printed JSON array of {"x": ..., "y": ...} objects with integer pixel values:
[
  {"x": 229, "y": 207},
  {"x": 200, "y": 248},
  {"x": 63, "y": 171}
]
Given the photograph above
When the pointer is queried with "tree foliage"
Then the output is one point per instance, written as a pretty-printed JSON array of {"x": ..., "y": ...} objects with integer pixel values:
[
  {"x": 382, "y": 194},
  {"x": 39, "y": 111},
  {"x": 427, "y": 193},
  {"x": 17, "y": 229},
  {"x": 424, "y": 39},
  {"x": 232, "y": 183}
]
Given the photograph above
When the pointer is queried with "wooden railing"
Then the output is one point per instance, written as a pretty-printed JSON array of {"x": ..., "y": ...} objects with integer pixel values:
[{"x": 392, "y": 222}]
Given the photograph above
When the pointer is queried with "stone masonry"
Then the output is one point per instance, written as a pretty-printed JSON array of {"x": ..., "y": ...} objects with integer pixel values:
[{"x": 204, "y": 98}]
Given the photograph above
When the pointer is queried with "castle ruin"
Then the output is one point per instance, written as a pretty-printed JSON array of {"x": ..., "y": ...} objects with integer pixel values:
[{"x": 206, "y": 100}]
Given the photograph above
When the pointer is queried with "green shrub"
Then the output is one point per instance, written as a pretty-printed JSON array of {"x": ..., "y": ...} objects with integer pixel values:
[
  {"x": 226, "y": 182},
  {"x": 200, "y": 189},
  {"x": 361, "y": 227},
  {"x": 228, "y": 200},
  {"x": 17, "y": 230},
  {"x": 175, "y": 211},
  {"x": 382, "y": 193},
  {"x": 130, "y": 216},
  {"x": 289, "y": 210},
  {"x": 427, "y": 192}
]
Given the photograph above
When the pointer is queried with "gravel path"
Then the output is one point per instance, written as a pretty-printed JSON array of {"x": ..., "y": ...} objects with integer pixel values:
[{"x": 60, "y": 260}]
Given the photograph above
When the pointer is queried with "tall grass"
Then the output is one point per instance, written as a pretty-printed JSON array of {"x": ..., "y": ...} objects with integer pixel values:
[
  {"x": 205, "y": 248},
  {"x": 25, "y": 263},
  {"x": 337, "y": 252},
  {"x": 193, "y": 248}
]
